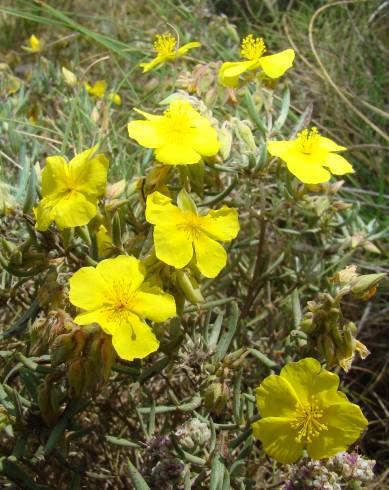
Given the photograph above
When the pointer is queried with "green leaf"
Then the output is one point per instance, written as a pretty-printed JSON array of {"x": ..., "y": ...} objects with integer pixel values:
[
  {"x": 136, "y": 478},
  {"x": 226, "y": 339}
]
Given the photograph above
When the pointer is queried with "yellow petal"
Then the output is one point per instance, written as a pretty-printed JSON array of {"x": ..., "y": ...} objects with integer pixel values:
[
  {"x": 186, "y": 47},
  {"x": 104, "y": 317},
  {"x": 301, "y": 375},
  {"x": 210, "y": 255},
  {"x": 280, "y": 148},
  {"x": 173, "y": 245},
  {"x": 204, "y": 141},
  {"x": 135, "y": 340},
  {"x": 98, "y": 89},
  {"x": 276, "y": 397},
  {"x": 148, "y": 116},
  {"x": 87, "y": 289},
  {"x": 146, "y": 133},
  {"x": 276, "y": 65},
  {"x": 338, "y": 165},
  {"x": 222, "y": 224},
  {"x": 345, "y": 423},
  {"x": 177, "y": 153},
  {"x": 44, "y": 213},
  {"x": 329, "y": 145},
  {"x": 115, "y": 98},
  {"x": 125, "y": 270},
  {"x": 230, "y": 72},
  {"x": 158, "y": 60},
  {"x": 160, "y": 210},
  {"x": 278, "y": 439},
  {"x": 154, "y": 304},
  {"x": 54, "y": 176},
  {"x": 74, "y": 209},
  {"x": 307, "y": 172},
  {"x": 89, "y": 172}
]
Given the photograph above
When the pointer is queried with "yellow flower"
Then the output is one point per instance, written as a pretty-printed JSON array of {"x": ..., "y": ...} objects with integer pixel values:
[
  {"x": 98, "y": 89},
  {"x": 302, "y": 408},
  {"x": 179, "y": 230},
  {"x": 180, "y": 137},
  {"x": 115, "y": 296},
  {"x": 35, "y": 45},
  {"x": 253, "y": 50},
  {"x": 165, "y": 47},
  {"x": 70, "y": 191},
  {"x": 308, "y": 154},
  {"x": 115, "y": 98}
]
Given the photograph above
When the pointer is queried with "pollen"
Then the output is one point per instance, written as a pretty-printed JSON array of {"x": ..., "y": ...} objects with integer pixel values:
[
  {"x": 165, "y": 44},
  {"x": 252, "y": 48},
  {"x": 307, "y": 140},
  {"x": 307, "y": 421},
  {"x": 177, "y": 121},
  {"x": 191, "y": 226}
]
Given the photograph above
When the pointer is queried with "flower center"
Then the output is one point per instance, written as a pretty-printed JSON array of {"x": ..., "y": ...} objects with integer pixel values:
[
  {"x": 177, "y": 122},
  {"x": 191, "y": 225},
  {"x": 307, "y": 421},
  {"x": 165, "y": 44},
  {"x": 121, "y": 301},
  {"x": 252, "y": 48},
  {"x": 307, "y": 140}
]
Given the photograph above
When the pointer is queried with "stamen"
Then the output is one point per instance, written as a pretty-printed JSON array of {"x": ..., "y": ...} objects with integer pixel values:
[
  {"x": 191, "y": 225},
  {"x": 307, "y": 139},
  {"x": 177, "y": 121},
  {"x": 165, "y": 44},
  {"x": 252, "y": 48},
  {"x": 306, "y": 421},
  {"x": 120, "y": 301}
]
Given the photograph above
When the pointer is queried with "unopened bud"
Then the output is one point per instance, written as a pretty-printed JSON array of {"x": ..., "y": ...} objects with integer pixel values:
[
  {"x": 189, "y": 287},
  {"x": 308, "y": 325},
  {"x": 76, "y": 377},
  {"x": 216, "y": 397},
  {"x": 69, "y": 77},
  {"x": 225, "y": 138},
  {"x": 364, "y": 287},
  {"x": 115, "y": 190},
  {"x": 62, "y": 349},
  {"x": 329, "y": 350},
  {"x": 185, "y": 202},
  {"x": 245, "y": 133}
]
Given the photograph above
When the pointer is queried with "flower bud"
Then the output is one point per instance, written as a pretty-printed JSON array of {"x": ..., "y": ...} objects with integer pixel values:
[
  {"x": 189, "y": 287},
  {"x": 108, "y": 355},
  {"x": 329, "y": 350},
  {"x": 62, "y": 349},
  {"x": 116, "y": 231},
  {"x": 69, "y": 77},
  {"x": 77, "y": 377},
  {"x": 364, "y": 287},
  {"x": 308, "y": 325},
  {"x": 185, "y": 202},
  {"x": 216, "y": 397},
  {"x": 225, "y": 138},
  {"x": 115, "y": 190},
  {"x": 246, "y": 135}
]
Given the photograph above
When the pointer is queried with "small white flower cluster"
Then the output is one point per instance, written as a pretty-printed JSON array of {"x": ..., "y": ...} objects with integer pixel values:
[
  {"x": 352, "y": 466},
  {"x": 193, "y": 433},
  {"x": 332, "y": 474}
]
